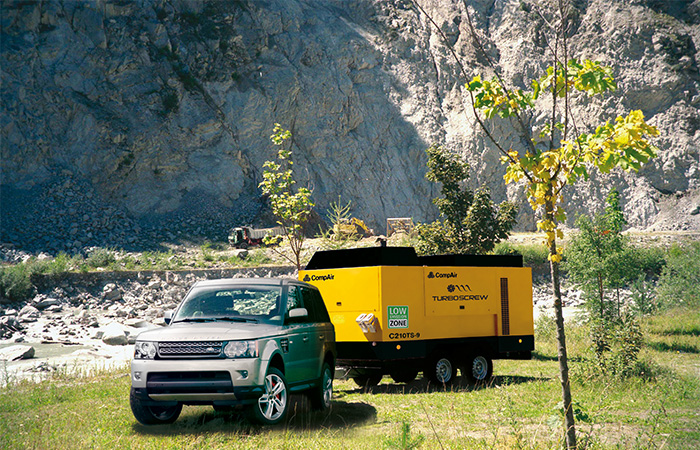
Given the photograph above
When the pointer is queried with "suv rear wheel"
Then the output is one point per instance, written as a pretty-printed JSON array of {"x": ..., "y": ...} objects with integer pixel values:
[
  {"x": 153, "y": 415},
  {"x": 271, "y": 408},
  {"x": 321, "y": 395}
]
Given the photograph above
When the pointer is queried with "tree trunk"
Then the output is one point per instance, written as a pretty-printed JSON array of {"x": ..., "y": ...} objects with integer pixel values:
[
  {"x": 570, "y": 426},
  {"x": 561, "y": 354}
]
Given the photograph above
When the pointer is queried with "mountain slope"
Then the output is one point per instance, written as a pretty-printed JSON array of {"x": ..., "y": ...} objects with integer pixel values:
[{"x": 126, "y": 122}]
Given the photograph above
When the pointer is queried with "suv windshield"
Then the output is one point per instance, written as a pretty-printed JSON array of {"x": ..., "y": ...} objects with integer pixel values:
[{"x": 240, "y": 303}]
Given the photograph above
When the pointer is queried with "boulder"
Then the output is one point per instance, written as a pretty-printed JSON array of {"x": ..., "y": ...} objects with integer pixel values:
[
  {"x": 46, "y": 302},
  {"x": 10, "y": 323},
  {"x": 111, "y": 292},
  {"x": 29, "y": 312},
  {"x": 137, "y": 323},
  {"x": 155, "y": 283},
  {"x": 113, "y": 334},
  {"x": 16, "y": 352}
]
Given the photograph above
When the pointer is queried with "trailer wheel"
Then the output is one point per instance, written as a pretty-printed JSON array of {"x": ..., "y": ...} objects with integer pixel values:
[
  {"x": 479, "y": 369},
  {"x": 441, "y": 370},
  {"x": 404, "y": 376},
  {"x": 367, "y": 381}
]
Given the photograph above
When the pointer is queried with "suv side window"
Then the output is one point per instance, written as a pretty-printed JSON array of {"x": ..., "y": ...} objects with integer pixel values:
[
  {"x": 314, "y": 303},
  {"x": 294, "y": 299}
]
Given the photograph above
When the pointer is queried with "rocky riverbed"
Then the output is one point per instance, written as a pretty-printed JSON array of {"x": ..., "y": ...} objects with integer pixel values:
[{"x": 82, "y": 322}]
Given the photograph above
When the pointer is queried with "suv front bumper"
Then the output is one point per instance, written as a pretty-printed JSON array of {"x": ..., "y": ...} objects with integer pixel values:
[{"x": 198, "y": 381}]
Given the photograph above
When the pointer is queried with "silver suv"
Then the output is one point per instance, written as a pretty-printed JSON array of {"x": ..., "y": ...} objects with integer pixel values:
[{"x": 234, "y": 342}]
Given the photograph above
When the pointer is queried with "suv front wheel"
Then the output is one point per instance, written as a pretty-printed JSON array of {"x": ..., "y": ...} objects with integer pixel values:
[
  {"x": 271, "y": 407},
  {"x": 153, "y": 415}
]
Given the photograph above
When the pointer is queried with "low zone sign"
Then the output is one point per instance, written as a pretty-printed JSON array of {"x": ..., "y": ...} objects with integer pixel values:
[{"x": 398, "y": 316}]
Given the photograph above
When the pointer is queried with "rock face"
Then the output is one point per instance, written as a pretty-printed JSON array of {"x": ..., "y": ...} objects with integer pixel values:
[{"x": 125, "y": 122}]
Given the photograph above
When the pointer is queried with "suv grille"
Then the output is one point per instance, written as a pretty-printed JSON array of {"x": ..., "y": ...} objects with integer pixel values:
[
  {"x": 189, "y": 382},
  {"x": 189, "y": 349}
]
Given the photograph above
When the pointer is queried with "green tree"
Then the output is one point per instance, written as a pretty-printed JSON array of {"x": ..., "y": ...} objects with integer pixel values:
[
  {"x": 291, "y": 206},
  {"x": 472, "y": 223},
  {"x": 558, "y": 154},
  {"x": 600, "y": 258}
]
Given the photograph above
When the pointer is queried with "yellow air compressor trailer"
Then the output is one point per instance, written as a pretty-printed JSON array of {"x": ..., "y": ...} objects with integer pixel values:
[{"x": 397, "y": 313}]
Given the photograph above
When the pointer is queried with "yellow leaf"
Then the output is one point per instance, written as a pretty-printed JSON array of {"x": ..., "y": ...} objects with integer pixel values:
[{"x": 623, "y": 138}]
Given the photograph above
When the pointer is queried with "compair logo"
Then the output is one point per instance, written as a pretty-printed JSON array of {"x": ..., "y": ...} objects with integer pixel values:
[
  {"x": 327, "y": 277},
  {"x": 432, "y": 275}
]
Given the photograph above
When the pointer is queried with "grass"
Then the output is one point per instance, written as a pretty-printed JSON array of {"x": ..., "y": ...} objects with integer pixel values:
[{"x": 660, "y": 409}]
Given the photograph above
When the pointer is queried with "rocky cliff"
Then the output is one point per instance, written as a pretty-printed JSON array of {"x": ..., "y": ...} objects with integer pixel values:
[{"x": 128, "y": 122}]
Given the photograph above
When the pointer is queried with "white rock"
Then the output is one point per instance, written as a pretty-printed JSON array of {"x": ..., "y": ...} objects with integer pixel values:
[
  {"x": 47, "y": 302},
  {"x": 113, "y": 334},
  {"x": 111, "y": 292},
  {"x": 29, "y": 312},
  {"x": 16, "y": 352}
]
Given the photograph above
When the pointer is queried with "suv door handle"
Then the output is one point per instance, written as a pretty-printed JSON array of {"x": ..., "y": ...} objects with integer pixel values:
[
  {"x": 306, "y": 339},
  {"x": 320, "y": 336}
]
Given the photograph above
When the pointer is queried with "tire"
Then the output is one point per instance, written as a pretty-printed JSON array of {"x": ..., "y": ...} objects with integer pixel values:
[
  {"x": 367, "y": 380},
  {"x": 441, "y": 370},
  {"x": 404, "y": 376},
  {"x": 479, "y": 369},
  {"x": 320, "y": 396},
  {"x": 153, "y": 415},
  {"x": 271, "y": 408}
]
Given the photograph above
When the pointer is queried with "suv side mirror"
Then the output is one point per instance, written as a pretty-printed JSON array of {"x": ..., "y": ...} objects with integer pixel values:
[
  {"x": 168, "y": 317},
  {"x": 297, "y": 314}
]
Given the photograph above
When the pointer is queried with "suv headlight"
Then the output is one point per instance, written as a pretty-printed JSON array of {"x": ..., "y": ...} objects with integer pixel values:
[
  {"x": 241, "y": 349},
  {"x": 144, "y": 350}
]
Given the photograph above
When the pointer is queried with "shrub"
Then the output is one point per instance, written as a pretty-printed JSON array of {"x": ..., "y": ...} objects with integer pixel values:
[
  {"x": 679, "y": 284},
  {"x": 616, "y": 344},
  {"x": 644, "y": 300},
  {"x": 649, "y": 261},
  {"x": 100, "y": 257},
  {"x": 15, "y": 283}
]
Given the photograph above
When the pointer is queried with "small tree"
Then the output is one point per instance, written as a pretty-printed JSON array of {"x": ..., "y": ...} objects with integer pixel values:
[
  {"x": 599, "y": 256},
  {"x": 472, "y": 223},
  {"x": 292, "y": 208}
]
